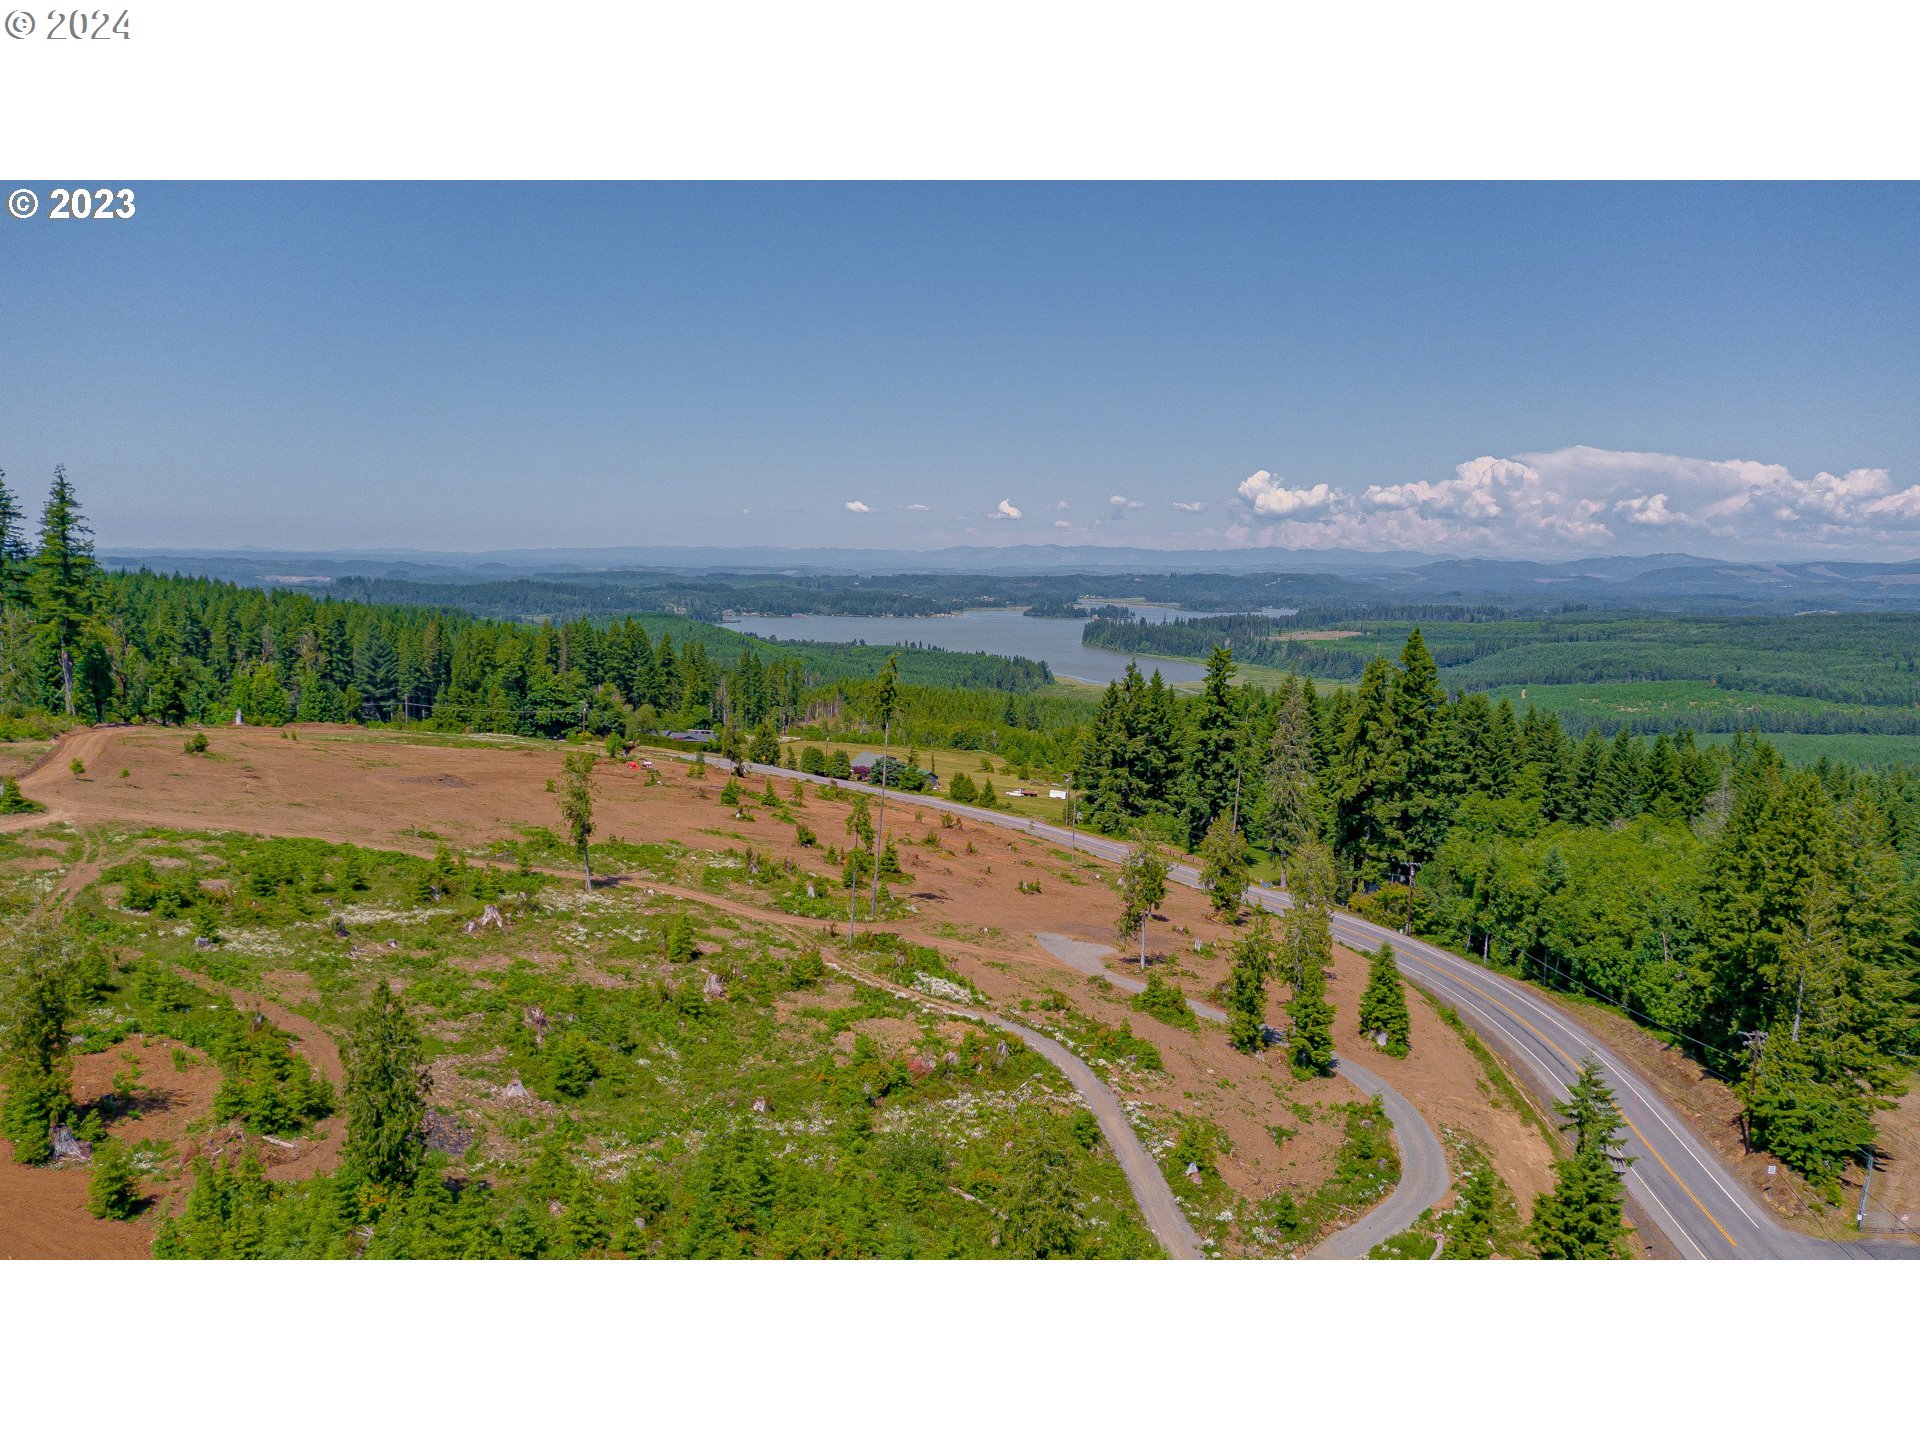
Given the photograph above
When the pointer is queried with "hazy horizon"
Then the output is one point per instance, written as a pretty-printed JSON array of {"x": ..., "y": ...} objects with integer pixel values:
[{"x": 1543, "y": 371}]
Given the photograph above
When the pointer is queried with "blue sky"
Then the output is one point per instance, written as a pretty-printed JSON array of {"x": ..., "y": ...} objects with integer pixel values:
[{"x": 1501, "y": 369}]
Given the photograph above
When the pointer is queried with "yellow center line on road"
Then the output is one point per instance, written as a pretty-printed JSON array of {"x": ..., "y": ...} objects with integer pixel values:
[{"x": 1644, "y": 1144}]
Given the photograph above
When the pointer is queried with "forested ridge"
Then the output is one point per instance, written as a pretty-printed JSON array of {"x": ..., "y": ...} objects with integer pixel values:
[
  {"x": 97, "y": 646},
  {"x": 1766, "y": 916},
  {"x": 1861, "y": 659}
]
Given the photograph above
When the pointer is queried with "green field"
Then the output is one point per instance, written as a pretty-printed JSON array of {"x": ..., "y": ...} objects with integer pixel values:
[
  {"x": 1868, "y": 752},
  {"x": 1694, "y": 702}
]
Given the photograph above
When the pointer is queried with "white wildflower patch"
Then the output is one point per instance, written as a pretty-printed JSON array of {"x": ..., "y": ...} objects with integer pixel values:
[
  {"x": 376, "y": 915},
  {"x": 263, "y": 944},
  {"x": 941, "y": 988}
]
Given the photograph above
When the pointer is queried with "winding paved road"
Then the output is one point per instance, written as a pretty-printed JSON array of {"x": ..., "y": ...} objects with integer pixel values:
[
  {"x": 1676, "y": 1180},
  {"x": 1162, "y": 1212},
  {"x": 1424, "y": 1179}
]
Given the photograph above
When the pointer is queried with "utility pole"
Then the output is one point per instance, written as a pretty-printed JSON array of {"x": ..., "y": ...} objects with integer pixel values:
[
  {"x": 1866, "y": 1187},
  {"x": 880, "y": 826},
  {"x": 1073, "y": 844},
  {"x": 1413, "y": 869},
  {"x": 1756, "y": 1041}
]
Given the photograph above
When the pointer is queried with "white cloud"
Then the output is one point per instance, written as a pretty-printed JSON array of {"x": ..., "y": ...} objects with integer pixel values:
[
  {"x": 1063, "y": 524},
  {"x": 1005, "y": 510},
  {"x": 1121, "y": 502},
  {"x": 1582, "y": 499},
  {"x": 1269, "y": 494},
  {"x": 1647, "y": 510},
  {"x": 1061, "y": 506},
  {"x": 859, "y": 507},
  {"x": 917, "y": 507},
  {"x": 1192, "y": 507}
]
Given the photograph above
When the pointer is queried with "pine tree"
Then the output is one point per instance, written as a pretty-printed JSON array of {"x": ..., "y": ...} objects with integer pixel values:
[
  {"x": 1307, "y": 930},
  {"x": 1383, "y": 1004},
  {"x": 1307, "y": 950},
  {"x": 37, "y": 990},
  {"x": 1213, "y": 753},
  {"x": 376, "y": 675},
  {"x": 1223, "y": 867},
  {"x": 386, "y": 1094},
  {"x": 1369, "y": 778},
  {"x": 1470, "y": 1227},
  {"x": 1292, "y": 780},
  {"x": 1430, "y": 776},
  {"x": 16, "y": 567},
  {"x": 65, "y": 577},
  {"x": 113, "y": 1191},
  {"x": 1310, "y": 1023},
  {"x": 1247, "y": 989},
  {"x": 1038, "y": 1200},
  {"x": 1581, "y": 1217},
  {"x": 575, "y": 798}
]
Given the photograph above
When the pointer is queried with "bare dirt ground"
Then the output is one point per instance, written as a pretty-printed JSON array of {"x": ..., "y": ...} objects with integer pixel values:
[
  {"x": 43, "y": 1216},
  {"x": 377, "y": 789},
  {"x": 43, "y": 1212}
]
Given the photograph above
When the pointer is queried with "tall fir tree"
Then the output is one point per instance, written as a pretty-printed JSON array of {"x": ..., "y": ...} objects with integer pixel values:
[
  {"x": 1214, "y": 745},
  {"x": 1430, "y": 773},
  {"x": 1369, "y": 778},
  {"x": 1292, "y": 790},
  {"x": 1224, "y": 868},
  {"x": 386, "y": 1099},
  {"x": 1383, "y": 1004},
  {"x": 1581, "y": 1218},
  {"x": 1247, "y": 989},
  {"x": 65, "y": 577},
  {"x": 16, "y": 560},
  {"x": 1306, "y": 952}
]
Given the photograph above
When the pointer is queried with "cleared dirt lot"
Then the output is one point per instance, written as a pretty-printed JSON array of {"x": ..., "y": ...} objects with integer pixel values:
[{"x": 410, "y": 793}]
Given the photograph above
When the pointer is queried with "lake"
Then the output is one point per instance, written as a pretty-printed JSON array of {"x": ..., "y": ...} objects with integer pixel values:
[{"x": 997, "y": 632}]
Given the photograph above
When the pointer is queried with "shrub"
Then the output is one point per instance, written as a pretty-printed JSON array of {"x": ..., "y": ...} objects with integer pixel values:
[
  {"x": 196, "y": 744},
  {"x": 677, "y": 942},
  {"x": 1164, "y": 1001},
  {"x": 112, "y": 1193},
  {"x": 12, "y": 802},
  {"x": 572, "y": 1066},
  {"x": 806, "y": 969}
]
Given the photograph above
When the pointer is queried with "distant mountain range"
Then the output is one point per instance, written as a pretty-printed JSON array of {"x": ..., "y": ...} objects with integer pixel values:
[
  {"x": 1664, "y": 582},
  {"x": 763, "y": 559}
]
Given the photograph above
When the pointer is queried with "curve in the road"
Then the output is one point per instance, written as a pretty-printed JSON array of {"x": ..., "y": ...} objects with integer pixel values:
[
  {"x": 1151, "y": 1193},
  {"x": 1424, "y": 1178},
  {"x": 1676, "y": 1181}
]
